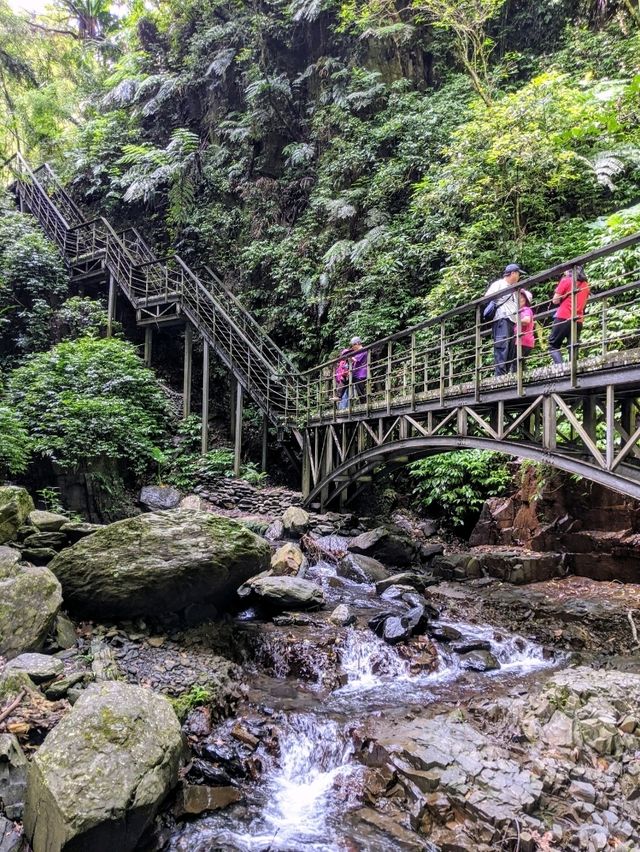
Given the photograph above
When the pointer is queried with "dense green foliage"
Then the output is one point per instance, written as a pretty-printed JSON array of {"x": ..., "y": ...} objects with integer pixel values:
[
  {"x": 348, "y": 166},
  {"x": 89, "y": 399},
  {"x": 458, "y": 483},
  {"x": 15, "y": 445}
]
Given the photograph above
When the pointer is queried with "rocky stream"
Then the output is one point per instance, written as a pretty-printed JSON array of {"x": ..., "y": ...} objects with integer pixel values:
[{"x": 345, "y": 686}]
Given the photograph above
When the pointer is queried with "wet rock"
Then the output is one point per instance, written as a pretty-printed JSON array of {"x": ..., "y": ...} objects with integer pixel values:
[
  {"x": 479, "y": 661},
  {"x": 416, "y": 620},
  {"x": 394, "y": 630},
  {"x": 361, "y": 569},
  {"x": 275, "y": 531},
  {"x": 11, "y": 839},
  {"x": 464, "y": 646},
  {"x": 47, "y": 521},
  {"x": 15, "y": 507},
  {"x": 213, "y": 775},
  {"x": 155, "y": 497},
  {"x": 284, "y": 592},
  {"x": 342, "y": 616},
  {"x": 159, "y": 562},
  {"x": 295, "y": 521},
  {"x": 100, "y": 775},
  {"x": 30, "y": 597},
  {"x": 387, "y": 547},
  {"x": 225, "y": 757},
  {"x": 39, "y": 667},
  {"x": 38, "y": 555},
  {"x": 419, "y": 582},
  {"x": 395, "y": 592},
  {"x": 292, "y": 619},
  {"x": 288, "y": 560},
  {"x": 196, "y": 799},
  {"x": 444, "y": 633},
  {"x": 13, "y": 777}
]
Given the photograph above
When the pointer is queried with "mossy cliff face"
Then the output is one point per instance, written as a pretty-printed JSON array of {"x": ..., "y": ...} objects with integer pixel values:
[
  {"x": 15, "y": 505},
  {"x": 159, "y": 562},
  {"x": 30, "y": 597},
  {"x": 100, "y": 775}
]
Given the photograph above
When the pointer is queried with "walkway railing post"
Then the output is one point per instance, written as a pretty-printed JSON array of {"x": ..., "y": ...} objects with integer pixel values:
[
  {"x": 204, "y": 442},
  {"x": 413, "y": 370},
  {"x": 478, "y": 355},
  {"x": 519, "y": 364},
  {"x": 442, "y": 357},
  {"x": 573, "y": 352},
  {"x": 265, "y": 441},
  {"x": 111, "y": 305},
  {"x": 603, "y": 327},
  {"x": 388, "y": 378}
]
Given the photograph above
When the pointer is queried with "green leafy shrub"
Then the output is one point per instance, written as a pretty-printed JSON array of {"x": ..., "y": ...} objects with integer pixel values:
[
  {"x": 458, "y": 483},
  {"x": 88, "y": 399},
  {"x": 15, "y": 444}
]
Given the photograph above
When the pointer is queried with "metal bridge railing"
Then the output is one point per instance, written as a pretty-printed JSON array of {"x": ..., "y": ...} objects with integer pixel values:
[
  {"x": 438, "y": 361},
  {"x": 239, "y": 341},
  {"x": 452, "y": 355}
]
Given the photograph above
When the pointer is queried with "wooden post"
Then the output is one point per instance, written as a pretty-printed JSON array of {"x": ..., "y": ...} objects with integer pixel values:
[
  {"x": 265, "y": 438},
  {"x": 111, "y": 305},
  {"x": 549, "y": 433},
  {"x": 186, "y": 376},
  {"x": 237, "y": 447},
  {"x": 306, "y": 465},
  {"x": 205, "y": 399},
  {"x": 148, "y": 345}
]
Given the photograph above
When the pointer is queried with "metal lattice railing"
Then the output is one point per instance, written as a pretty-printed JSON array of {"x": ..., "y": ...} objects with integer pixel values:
[
  {"x": 440, "y": 361},
  {"x": 264, "y": 371}
]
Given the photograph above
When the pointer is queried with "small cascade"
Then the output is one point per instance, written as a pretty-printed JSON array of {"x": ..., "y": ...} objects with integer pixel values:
[
  {"x": 302, "y": 793},
  {"x": 368, "y": 661}
]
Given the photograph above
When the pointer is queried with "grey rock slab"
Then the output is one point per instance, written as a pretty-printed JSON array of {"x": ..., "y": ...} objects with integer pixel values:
[
  {"x": 65, "y": 632},
  {"x": 47, "y": 521},
  {"x": 30, "y": 597},
  {"x": 99, "y": 777},
  {"x": 39, "y": 667},
  {"x": 342, "y": 616},
  {"x": 295, "y": 520},
  {"x": 75, "y": 530},
  {"x": 361, "y": 568},
  {"x": 419, "y": 582},
  {"x": 159, "y": 562},
  {"x": 285, "y": 592}
]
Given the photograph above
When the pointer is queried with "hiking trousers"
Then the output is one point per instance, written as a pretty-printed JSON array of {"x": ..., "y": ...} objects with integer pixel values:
[{"x": 503, "y": 345}]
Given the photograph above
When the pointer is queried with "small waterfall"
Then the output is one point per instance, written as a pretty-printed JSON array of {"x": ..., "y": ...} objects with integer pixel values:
[
  {"x": 302, "y": 793},
  {"x": 368, "y": 661}
]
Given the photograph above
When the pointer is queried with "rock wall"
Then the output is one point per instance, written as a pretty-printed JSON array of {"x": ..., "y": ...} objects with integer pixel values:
[
  {"x": 597, "y": 529},
  {"x": 226, "y": 493}
]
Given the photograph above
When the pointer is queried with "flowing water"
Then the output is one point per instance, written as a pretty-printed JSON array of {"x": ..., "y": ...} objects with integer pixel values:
[{"x": 310, "y": 787}]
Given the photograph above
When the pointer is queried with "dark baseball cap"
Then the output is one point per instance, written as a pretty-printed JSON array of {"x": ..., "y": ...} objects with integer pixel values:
[{"x": 513, "y": 267}]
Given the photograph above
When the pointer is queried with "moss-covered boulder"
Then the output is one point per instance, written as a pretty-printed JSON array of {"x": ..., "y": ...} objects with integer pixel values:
[
  {"x": 30, "y": 598},
  {"x": 15, "y": 506},
  {"x": 159, "y": 562},
  {"x": 98, "y": 779}
]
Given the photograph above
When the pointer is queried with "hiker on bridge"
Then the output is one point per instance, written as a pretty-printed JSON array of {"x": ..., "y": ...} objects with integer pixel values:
[
  {"x": 342, "y": 379},
  {"x": 359, "y": 368},
  {"x": 563, "y": 296},
  {"x": 503, "y": 310}
]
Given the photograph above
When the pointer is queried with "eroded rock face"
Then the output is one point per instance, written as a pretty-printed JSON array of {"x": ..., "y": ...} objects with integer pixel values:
[
  {"x": 30, "y": 597},
  {"x": 15, "y": 506},
  {"x": 159, "y": 562},
  {"x": 447, "y": 767},
  {"x": 100, "y": 775}
]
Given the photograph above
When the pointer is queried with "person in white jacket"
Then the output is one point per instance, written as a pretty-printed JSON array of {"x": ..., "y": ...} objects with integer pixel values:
[{"x": 504, "y": 319}]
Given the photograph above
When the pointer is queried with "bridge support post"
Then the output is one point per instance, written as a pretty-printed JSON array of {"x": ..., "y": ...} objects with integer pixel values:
[
  {"x": 111, "y": 305},
  {"x": 186, "y": 376},
  {"x": 148, "y": 345},
  {"x": 237, "y": 446},
  {"x": 549, "y": 427},
  {"x": 306, "y": 465},
  {"x": 327, "y": 466},
  {"x": 265, "y": 438},
  {"x": 232, "y": 408},
  {"x": 204, "y": 447}
]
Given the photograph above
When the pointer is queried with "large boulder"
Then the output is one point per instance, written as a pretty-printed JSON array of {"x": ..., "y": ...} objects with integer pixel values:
[
  {"x": 15, "y": 506},
  {"x": 98, "y": 779},
  {"x": 30, "y": 597},
  {"x": 284, "y": 592},
  {"x": 295, "y": 521},
  {"x": 159, "y": 562},
  {"x": 47, "y": 521},
  {"x": 156, "y": 497},
  {"x": 385, "y": 546},
  {"x": 288, "y": 560}
]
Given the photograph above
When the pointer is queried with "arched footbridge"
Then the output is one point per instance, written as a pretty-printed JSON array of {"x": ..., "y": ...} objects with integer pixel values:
[{"x": 429, "y": 389}]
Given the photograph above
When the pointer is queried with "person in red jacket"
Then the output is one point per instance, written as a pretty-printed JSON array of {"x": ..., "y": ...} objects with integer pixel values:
[{"x": 561, "y": 329}]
